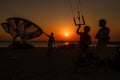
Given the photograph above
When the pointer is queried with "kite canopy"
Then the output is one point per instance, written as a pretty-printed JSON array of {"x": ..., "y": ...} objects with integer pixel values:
[{"x": 19, "y": 27}]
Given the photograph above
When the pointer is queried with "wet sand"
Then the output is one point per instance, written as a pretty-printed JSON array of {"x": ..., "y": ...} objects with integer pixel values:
[{"x": 34, "y": 64}]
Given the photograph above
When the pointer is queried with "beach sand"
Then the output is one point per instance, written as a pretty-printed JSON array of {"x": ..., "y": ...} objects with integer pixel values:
[{"x": 34, "y": 64}]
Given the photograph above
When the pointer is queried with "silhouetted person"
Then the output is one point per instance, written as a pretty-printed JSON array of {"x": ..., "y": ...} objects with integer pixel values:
[
  {"x": 51, "y": 42},
  {"x": 103, "y": 38},
  {"x": 85, "y": 41}
]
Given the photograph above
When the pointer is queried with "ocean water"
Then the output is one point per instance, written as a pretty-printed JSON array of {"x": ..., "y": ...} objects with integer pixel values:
[
  {"x": 45, "y": 43},
  {"x": 41, "y": 44}
]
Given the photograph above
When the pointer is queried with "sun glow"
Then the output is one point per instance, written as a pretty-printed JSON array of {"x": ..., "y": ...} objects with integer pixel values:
[{"x": 66, "y": 34}]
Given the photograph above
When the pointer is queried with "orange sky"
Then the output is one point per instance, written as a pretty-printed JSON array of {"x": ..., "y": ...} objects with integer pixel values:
[{"x": 56, "y": 16}]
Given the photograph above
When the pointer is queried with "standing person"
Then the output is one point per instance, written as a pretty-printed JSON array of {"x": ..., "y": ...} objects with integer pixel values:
[
  {"x": 103, "y": 38},
  {"x": 85, "y": 41},
  {"x": 51, "y": 42}
]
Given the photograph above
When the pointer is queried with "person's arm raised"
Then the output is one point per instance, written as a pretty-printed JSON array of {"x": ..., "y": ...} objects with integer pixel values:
[
  {"x": 46, "y": 34},
  {"x": 77, "y": 31}
]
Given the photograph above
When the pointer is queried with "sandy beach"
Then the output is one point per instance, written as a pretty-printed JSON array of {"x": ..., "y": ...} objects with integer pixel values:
[{"x": 34, "y": 64}]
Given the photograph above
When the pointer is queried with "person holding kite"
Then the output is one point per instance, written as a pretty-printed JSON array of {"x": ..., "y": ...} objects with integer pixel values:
[
  {"x": 51, "y": 42},
  {"x": 85, "y": 41},
  {"x": 84, "y": 55}
]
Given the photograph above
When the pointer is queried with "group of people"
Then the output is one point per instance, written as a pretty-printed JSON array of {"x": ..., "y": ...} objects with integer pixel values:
[
  {"x": 102, "y": 35},
  {"x": 85, "y": 39}
]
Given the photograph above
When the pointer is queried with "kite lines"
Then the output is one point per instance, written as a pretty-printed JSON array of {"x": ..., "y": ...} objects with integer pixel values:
[{"x": 80, "y": 18}]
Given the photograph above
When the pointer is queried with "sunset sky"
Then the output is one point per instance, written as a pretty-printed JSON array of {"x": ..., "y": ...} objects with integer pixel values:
[{"x": 56, "y": 16}]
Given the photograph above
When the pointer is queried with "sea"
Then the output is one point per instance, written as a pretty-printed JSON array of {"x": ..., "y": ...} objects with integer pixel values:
[
  {"x": 42, "y": 43},
  {"x": 45, "y": 43}
]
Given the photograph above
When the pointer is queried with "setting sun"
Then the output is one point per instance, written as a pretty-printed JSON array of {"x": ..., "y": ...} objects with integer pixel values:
[{"x": 66, "y": 34}]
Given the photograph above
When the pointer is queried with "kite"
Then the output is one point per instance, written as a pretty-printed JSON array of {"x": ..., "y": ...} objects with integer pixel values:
[{"x": 20, "y": 27}]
